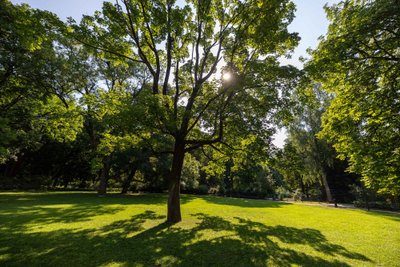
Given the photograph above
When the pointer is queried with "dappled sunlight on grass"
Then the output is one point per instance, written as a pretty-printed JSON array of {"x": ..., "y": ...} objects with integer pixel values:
[{"x": 70, "y": 229}]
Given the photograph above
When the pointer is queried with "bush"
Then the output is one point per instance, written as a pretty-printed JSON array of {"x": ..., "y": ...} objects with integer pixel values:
[
  {"x": 282, "y": 193},
  {"x": 375, "y": 201},
  {"x": 202, "y": 189},
  {"x": 315, "y": 194},
  {"x": 190, "y": 173},
  {"x": 29, "y": 182},
  {"x": 298, "y": 195},
  {"x": 382, "y": 205}
]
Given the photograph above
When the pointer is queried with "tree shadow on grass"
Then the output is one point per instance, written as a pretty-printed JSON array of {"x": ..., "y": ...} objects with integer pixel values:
[
  {"x": 20, "y": 211},
  {"x": 243, "y": 202},
  {"x": 385, "y": 214},
  {"x": 135, "y": 224},
  {"x": 24, "y": 217},
  {"x": 89, "y": 198},
  {"x": 213, "y": 241},
  {"x": 291, "y": 235}
]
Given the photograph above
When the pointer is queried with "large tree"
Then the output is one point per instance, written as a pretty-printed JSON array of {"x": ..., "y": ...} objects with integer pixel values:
[
  {"x": 304, "y": 155},
  {"x": 358, "y": 61},
  {"x": 35, "y": 81},
  {"x": 184, "y": 47}
]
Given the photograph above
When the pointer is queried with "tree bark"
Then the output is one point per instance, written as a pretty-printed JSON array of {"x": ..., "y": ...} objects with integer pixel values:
[
  {"x": 174, "y": 206},
  {"x": 128, "y": 180},
  {"x": 102, "y": 188},
  {"x": 327, "y": 189}
]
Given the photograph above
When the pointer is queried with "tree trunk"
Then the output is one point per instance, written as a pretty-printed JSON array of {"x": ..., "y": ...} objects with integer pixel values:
[
  {"x": 327, "y": 189},
  {"x": 128, "y": 180},
  {"x": 174, "y": 206},
  {"x": 102, "y": 188}
]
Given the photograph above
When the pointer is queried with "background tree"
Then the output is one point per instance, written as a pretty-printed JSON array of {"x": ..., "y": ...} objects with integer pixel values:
[
  {"x": 316, "y": 155},
  {"x": 358, "y": 61},
  {"x": 290, "y": 165},
  {"x": 36, "y": 103},
  {"x": 308, "y": 162}
]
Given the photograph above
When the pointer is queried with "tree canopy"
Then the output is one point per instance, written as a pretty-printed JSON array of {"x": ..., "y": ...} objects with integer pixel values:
[
  {"x": 358, "y": 62},
  {"x": 181, "y": 48},
  {"x": 156, "y": 95}
]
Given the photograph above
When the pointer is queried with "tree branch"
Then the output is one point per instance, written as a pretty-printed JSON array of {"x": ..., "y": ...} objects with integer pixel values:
[
  {"x": 108, "y": 51},
  {"x": 169, "y": 52}
]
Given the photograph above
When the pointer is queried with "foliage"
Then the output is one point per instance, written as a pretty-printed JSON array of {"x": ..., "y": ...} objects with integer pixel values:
[
  {"x": 35, "y": 85},
  {"x": 358, "y": 61},
  {"x": 305, "y": 160},
  {"x": 133, "y": 96},
  {"x": 241, "y": 169},
  {"x": 190, "y": 173},
  {"x": 180, "y": 46},
  {"x": 282, "y": 193},
  {"x": 55, "y": 120}
]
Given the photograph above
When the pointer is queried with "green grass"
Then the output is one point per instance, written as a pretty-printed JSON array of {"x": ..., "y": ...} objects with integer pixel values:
[{"x": 81, "y": 229}]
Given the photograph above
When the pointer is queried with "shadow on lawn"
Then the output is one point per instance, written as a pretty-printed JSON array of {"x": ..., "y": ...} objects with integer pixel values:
[
  {"x": 90, "y": 198},
  {"x": 243, "y": 202},
  {"x": 21, "y": 210},
  {"x": 395, "y": 216},
  {"x": 22, "y": 219},
  {"x": 238, "y": 243},
  {"x": 18, "y": 212}
]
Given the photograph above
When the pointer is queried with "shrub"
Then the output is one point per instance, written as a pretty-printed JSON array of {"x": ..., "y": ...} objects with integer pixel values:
[
  {"x": 382, "y": 205},
  {"x": 202, "y": 189},
  {"x": 281, "y": 193},
  {"x": 298, "y": 195}
]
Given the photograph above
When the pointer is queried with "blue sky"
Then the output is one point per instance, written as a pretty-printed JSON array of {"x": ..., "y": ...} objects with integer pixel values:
[{"x": 310, "y": 23}]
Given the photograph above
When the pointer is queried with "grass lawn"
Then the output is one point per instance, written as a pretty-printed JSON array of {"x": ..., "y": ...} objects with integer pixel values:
[{"x": 81, "y": 229}]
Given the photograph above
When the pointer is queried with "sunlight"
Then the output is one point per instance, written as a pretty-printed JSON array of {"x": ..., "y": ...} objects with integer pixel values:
[{"x": 227, "y": 76}]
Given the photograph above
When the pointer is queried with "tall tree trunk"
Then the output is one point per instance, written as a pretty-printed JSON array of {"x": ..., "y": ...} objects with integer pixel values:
[
  {"x": 327, "y": 189},
  {"x": 102, "y": 188},
  {"x": 128, "y": 180},
  {"x": 174, "y": 205}
]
